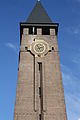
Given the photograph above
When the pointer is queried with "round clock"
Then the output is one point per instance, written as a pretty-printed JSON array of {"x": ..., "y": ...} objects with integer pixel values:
[{"x": 39, "y": 47}]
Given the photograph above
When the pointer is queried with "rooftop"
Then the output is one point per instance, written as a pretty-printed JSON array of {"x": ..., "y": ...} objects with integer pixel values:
[{"x": 38, "y": 15}]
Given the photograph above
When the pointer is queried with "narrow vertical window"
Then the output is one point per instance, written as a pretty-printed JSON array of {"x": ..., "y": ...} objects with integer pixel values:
[
  {"x": 40, "y": 65},
  {"x": 40, "y": 91},
  {"x": 39, "y": 116}
]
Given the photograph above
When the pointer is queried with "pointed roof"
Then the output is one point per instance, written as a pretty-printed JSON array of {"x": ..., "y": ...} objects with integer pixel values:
[{"x": 38, "y": 15}]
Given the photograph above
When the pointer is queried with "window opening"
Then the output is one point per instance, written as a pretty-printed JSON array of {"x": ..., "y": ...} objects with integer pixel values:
[
  {"x": 26, "y": 48},
  {"x": 39, "y": 116},
  {"x": 32, "y": 30},
  {"x": 40, "y": 64},
  {"x": 52, "y": 48},
  {"x": 40, "y": 91},
  {"x": 45, "y": 31}
]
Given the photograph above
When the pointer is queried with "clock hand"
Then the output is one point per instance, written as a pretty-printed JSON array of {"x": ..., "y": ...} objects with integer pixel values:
[{"x": 41, "y": 47}]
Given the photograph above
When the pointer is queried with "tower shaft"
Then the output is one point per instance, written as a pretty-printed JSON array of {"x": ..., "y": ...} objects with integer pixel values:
[{"x": 40, "y": 94}]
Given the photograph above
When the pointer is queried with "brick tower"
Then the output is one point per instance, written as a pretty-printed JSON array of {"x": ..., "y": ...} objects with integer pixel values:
[{"x": 40, "y": 94}]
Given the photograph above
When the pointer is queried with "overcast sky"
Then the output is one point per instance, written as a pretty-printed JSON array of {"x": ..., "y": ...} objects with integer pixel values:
[{"x": 67, "y": 14}]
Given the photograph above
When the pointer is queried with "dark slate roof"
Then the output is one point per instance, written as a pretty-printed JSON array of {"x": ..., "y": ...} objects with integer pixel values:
[{"x": 38, "y": 15}]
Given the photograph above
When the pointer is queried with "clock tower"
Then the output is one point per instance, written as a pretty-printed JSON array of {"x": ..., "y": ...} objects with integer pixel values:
[{"x": 40, "y": 94}]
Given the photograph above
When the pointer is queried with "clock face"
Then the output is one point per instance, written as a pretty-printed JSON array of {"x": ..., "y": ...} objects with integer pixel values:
[{"x": 39, "y": 47}]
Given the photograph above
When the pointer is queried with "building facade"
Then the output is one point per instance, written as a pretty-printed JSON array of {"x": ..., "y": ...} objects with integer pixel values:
[{"x": 40, "y": 94}]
